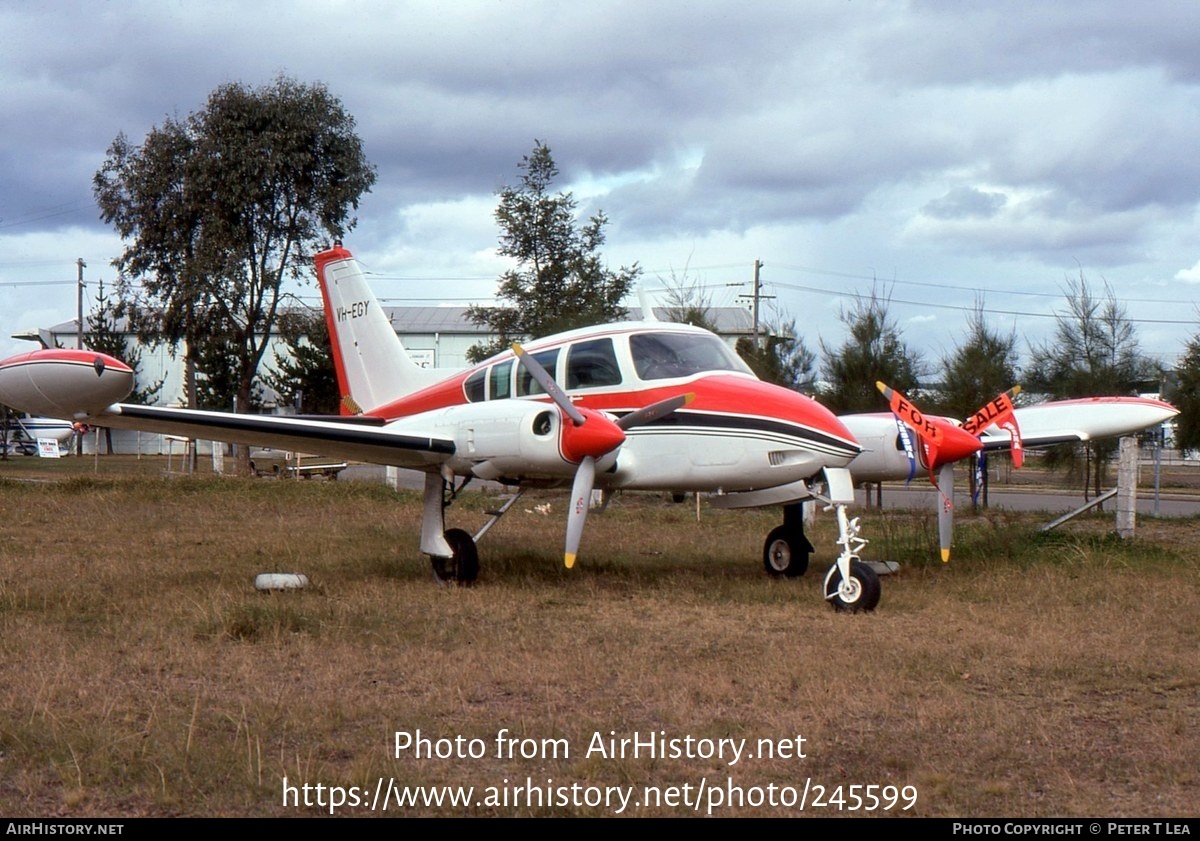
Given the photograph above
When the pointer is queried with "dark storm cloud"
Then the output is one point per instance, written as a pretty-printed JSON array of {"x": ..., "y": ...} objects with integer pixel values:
[{"x": 927, "y": 134}]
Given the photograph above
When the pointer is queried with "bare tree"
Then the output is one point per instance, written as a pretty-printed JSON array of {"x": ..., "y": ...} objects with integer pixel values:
[{"x": 1094, "y": 352}]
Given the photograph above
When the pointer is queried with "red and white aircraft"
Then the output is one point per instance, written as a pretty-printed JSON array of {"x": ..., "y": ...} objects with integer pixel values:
[
  {"x": 651, "y": 406},
  {"x": 895, "y": 444}
]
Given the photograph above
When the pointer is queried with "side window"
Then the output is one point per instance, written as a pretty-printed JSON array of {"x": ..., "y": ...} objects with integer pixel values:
[
  {"x": 526, "y": 384},
  {"x": 500, "y": 381},
  {"x": 654, "y": 356},
  {"x": 473, "y": 387},
  {"x": 592, "y": 364}
]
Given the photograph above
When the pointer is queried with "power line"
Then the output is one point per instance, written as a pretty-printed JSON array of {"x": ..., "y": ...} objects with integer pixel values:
[
  {"x": 46, "y": 213},
  {"x": 960, "y": 308},
  {"x": 958, "y": 287}
]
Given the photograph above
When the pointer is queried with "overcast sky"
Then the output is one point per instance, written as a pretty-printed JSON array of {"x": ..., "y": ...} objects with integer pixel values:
[{"x": 942, "y": 152}]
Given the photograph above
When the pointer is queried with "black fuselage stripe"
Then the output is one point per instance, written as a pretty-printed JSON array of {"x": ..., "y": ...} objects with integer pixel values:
[{"x": 699, "y": 422}]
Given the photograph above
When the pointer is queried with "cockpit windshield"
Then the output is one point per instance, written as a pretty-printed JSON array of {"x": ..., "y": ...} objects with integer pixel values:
[{"x": 659, "y": 356}]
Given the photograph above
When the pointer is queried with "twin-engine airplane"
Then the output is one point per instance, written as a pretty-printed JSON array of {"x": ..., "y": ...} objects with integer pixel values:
[
  {"x": 637, "y": 406},
  {"x": 894, "y": 444}
]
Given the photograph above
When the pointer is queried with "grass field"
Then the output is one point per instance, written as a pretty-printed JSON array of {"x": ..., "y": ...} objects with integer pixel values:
[{"x": 141, "y": 674}]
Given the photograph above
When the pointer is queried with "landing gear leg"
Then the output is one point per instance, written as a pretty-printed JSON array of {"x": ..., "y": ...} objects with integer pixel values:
[
  {"x": 787, "y": 549},
  {"x": 850, "y": 584},
  {"x": 452, "y": 554}
]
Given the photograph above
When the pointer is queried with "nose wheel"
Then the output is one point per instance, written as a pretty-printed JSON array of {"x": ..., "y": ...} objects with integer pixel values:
[
  {"x": 858, "y": 592},
  {"x": 851, "y": 585}
]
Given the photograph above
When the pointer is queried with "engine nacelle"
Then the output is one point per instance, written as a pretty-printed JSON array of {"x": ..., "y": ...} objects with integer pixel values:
[
  {"x": 884, "y": 455},
  {"x": 514, "y": 439},
  {"x": 64, "y": 383}
]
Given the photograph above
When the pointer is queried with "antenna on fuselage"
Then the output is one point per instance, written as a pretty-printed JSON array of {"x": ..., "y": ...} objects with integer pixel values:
[{"x": 647, "y": 306}]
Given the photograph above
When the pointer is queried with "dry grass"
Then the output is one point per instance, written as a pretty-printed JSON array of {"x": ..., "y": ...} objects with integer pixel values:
[{"x": 142, "y": 674}]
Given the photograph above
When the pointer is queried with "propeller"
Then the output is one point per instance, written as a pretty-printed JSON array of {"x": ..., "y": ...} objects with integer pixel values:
[
  {"x": 944, "y": 443},
  {"x": 589, "y": 436}
]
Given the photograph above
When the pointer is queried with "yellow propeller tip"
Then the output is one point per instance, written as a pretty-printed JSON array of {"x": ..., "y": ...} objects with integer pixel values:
[
  {"x": 945, "y": 556},
  {"x": 569, "y": 560}
]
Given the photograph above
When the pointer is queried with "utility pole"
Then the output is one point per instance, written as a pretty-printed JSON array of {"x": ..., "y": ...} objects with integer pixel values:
[
  {"x": 80, "y": 265},
  {"x": 755, "y": 297}
]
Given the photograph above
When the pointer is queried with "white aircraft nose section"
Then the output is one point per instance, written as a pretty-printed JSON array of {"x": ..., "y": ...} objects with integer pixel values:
[{"x": 63, "y": 383}]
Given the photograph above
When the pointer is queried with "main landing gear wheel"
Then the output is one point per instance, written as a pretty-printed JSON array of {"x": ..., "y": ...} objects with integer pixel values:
[
  {"x": 786, "y": 552},
  {"x": 859, "y": 594},
  {"x": 463, "y": 567}
]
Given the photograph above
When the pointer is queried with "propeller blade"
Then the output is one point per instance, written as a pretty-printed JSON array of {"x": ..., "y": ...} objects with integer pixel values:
[
  {"x": 655, "y": 410},
  {"x": 928, "y": 431},
  {"x": 581, "y": 494},
  {"x": 999, "y": 412},
  {"x": 1018, "y": 451},
  {"x": 942, "y": 442},
  {"x": 995, "y": 412},
  {"x": 945, "y": 485},
  {"x": 543, "y": 378}
]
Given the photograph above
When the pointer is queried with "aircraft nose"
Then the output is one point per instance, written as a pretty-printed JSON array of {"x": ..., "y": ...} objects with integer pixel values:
[{"x": 598, "y": 435}]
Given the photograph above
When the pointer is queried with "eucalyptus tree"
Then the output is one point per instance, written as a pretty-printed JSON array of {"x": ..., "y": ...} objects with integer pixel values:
[{"x": 220, "y": 209}]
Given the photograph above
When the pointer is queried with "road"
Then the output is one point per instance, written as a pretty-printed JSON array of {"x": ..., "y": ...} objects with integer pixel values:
[{"x": 923, "y": 495}]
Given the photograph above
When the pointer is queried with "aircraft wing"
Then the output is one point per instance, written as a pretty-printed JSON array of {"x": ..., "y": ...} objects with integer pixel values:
[
  {"x": 1086, "y": 419},
  {"x": 395, "y": 444}
]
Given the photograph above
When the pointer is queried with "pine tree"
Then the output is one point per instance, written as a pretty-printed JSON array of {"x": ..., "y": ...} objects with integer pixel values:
[{"x": 560, "y": 281}]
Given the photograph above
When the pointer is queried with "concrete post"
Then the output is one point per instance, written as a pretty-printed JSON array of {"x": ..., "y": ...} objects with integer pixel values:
[{"x": 1127, "y": 475}]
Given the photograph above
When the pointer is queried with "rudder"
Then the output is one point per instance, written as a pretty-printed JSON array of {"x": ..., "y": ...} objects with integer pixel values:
[{"x": 372, "y": 365}]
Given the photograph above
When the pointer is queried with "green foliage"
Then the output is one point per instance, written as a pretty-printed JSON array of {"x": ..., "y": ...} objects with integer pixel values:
[
  {"x": 218, "y": 209},
  {"x": 977, "y": 370},
  {"x": 1185, "y": 394},
  {"x": 874, "y": 352},
  {"x": 216, "y": 376},
  {"x": 306, "y": 371},
  {"x": 560, "y": 281},
  {"x": 783, "y": 358},
  {"x": 1094, "y": 353}
]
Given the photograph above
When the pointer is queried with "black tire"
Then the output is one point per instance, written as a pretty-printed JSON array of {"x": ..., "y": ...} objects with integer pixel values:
[
  {"x": 862, "y": 595},
  {"x": 463, "y": 567},
  {"x": 785, "y": 552}
]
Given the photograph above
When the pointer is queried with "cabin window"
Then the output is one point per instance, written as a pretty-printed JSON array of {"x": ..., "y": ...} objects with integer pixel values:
[
  {"x": 659, "y": 356},
  {"x": 592, "y": 364},
  {"x": 526, "y": 384},
  {"x": 473, "y": 387},
  {"x": 500, "y": 381}
]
